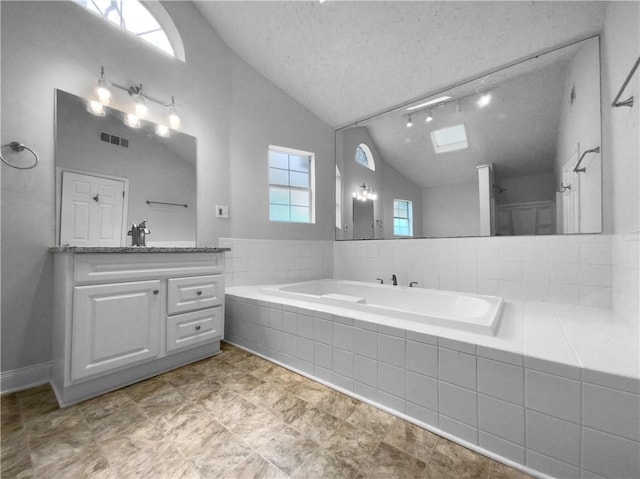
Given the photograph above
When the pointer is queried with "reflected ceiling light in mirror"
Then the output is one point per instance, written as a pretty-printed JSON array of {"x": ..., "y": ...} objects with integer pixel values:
[
  {"x": 429, "y": 117},
  {"x": 163, "y": 131},
  {"x": 365, "y": 194},
  {"x": 131, "y": 120},
  {"x": 102, "y": 89},
  {"x": 96, "y": 108},
  {"x": 484, "y": 100},
  {"x": 429, "y": 102},
  {"x": 409, "y": 122},
  {"x": 174, "y": 119},
  {"x": 141, "y": 106}
]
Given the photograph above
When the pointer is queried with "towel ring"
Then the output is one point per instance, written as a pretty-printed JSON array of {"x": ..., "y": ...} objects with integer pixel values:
[{"x": 18, "y": 147}]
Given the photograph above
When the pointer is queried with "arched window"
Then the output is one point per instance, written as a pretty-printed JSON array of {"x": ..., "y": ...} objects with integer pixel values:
[
  {"x": 148, "y": 20},
  {"x": 365, "y": 157}
]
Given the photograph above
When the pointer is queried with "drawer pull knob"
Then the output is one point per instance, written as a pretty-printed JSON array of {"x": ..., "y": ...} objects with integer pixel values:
[
  {"x": 155, "y": 291},
  {"x": 198, "y": 328},
  {"x": 199, "y": 293}
]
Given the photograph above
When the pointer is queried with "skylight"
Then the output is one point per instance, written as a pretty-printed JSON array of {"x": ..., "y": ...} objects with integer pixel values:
[{"x": 449, "y": 139}]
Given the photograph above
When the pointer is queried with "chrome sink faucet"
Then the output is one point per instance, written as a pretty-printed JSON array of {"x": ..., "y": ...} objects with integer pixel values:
[
  {"x": 381, "y": 280},
  {"x": 139, "y": 234},
  {"x": 394, "y": 280}
]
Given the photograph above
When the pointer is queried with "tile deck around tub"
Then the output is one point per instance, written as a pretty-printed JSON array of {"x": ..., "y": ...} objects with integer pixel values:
[{"x": 230, "y": 416}]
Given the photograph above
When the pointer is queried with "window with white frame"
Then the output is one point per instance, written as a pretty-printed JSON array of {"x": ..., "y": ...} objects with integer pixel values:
[
  {"x": 132, "y": 16},
  {"x": 291, "y": 185},
  {"x": 402, "y": 218},
  {"x": 364, "y": 157}
]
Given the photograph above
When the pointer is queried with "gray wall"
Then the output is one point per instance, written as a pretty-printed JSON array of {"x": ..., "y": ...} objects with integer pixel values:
[
  {"x": 451, "y": 210},
  {"x": 48, "y": 45}
]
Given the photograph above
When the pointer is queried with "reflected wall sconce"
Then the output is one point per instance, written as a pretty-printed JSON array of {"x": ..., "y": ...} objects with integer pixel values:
[
  {"x": 484, "y": 100},
  {"x": 365, "y": 193},
  {"x": 429, "y": 116},
  {"x": 564, "y": 188},
  {"x": 141, "y": 108},
  {"x": 409, "y": 122}
]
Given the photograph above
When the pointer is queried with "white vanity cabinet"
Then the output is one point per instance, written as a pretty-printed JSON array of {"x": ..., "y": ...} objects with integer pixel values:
[{"x": 126, "y": 315}]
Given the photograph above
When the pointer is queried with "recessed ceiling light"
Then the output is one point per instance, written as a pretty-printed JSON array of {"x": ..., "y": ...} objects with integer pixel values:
[{"x": 429, "y": 102}]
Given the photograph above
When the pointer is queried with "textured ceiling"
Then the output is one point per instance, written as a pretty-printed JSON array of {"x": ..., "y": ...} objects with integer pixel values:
[{"x": 345, "y": 60}]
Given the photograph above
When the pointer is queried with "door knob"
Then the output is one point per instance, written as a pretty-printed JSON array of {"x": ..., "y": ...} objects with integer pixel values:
[
  {"x": 198, "y": 328},
  {"x": 199, "y": 293},
  {"x": 155, "y": 291},
  {"x": 96, "y": 198}
]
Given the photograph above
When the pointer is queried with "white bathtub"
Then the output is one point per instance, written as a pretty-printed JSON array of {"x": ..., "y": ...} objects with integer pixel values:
[{"x": 465, "y": 312}]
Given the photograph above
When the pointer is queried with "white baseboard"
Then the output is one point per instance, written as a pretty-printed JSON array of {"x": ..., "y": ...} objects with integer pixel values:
[{"x": 25, "y": 378}]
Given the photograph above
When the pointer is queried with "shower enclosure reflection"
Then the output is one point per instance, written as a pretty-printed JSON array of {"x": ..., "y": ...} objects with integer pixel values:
[{"x": 515, "y": 152}]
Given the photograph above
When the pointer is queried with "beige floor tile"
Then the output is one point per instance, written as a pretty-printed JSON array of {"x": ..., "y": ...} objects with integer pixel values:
[
  {"x": 15, "y": 459},
  {"x": 372, "y": 420},
  {"x": 352, "y": 444},
  {"x": 338, "y": 404},
  {"x": 90, "y": 464},
  {"x": 256, "y": 467},
  {"x": 323, "y": 464},
  {"x": 452, "y": 461},
  {"x": 500, "y": 471},
  {"x": 289, "y": 407},
  {"x": 315, "y": 424},
  {"x": 390, "y": 462},
  {"x": 288, "y": 450},
  {"x": 410, "y": 438}
]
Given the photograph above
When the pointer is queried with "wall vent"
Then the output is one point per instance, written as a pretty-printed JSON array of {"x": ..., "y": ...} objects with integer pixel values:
[{"x": 114, "y": 139}]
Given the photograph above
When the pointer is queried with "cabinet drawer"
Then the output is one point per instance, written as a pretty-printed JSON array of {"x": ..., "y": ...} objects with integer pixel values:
[
  {"x": 190, "y": 329},
  {"x": 194, "y": 293}
]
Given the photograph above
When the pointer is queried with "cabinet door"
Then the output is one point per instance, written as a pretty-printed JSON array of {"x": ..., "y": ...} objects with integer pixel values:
[{"x": 114, "y": 325}]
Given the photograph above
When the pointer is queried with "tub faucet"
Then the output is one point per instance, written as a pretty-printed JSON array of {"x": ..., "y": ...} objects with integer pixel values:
[
  {"x": 394, "y": 280},
  {"x": 412, "y": 283},
  {"x": 381, "y": 280}
]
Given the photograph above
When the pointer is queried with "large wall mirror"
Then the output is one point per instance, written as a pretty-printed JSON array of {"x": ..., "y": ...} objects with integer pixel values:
[
  {"x": 110, "y": 175},
  {"x": 515, "y": 152}
]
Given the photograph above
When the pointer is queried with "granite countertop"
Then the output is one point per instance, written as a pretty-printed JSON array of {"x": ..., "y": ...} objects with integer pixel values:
[{"x": 134, "y": 249}]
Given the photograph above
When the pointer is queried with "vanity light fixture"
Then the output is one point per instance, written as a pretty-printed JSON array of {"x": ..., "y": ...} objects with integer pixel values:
[
  {"x": 141, "y": 107},
  {"x": 409, "y": 122},
  {"x": 365, "y": 194}
]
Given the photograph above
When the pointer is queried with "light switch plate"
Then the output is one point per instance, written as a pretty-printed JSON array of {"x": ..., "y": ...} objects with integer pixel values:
[{"x": 222, "y": 211}]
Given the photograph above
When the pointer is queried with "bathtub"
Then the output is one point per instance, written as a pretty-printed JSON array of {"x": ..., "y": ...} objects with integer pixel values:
[{"x": 461, "y": 311}]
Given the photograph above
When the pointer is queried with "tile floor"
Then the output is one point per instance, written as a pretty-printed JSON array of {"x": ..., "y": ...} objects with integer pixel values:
[{"x": 231, "y": 416}]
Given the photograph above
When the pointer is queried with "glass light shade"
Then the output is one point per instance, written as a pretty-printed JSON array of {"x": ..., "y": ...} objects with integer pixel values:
[
  {"x": 409, "y": 123},
  {"x": 96, "y": 108},
  {"x": 174, "y": 120},
  {"x": 104, "y": 94},
  {"x": 141, "y": 108},
  {"x": 132, "y": 120}
]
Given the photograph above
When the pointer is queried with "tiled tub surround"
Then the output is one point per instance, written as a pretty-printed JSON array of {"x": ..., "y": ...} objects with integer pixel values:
[
  {"x": 568, "y": 269},
  {"x": 258, "y": 261},
  {"x": 556, "y": 391}
]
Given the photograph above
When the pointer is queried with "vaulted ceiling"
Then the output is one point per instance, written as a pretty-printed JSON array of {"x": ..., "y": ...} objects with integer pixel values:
[{"x": 345, "y": 60}]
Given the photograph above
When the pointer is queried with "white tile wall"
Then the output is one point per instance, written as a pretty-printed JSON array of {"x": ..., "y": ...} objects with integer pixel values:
[
  {"x": 625, "y": 258},
  {"x": 546, "y": 415},
  {"x": 566, "y": 269},
  {"x": 256, "y": 261}
]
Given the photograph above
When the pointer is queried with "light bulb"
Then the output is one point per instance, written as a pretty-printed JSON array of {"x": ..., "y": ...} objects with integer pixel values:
[
  {"x": 409, "y": 123},
  {"x": 429, "y": 117},
  {"x": 162, "y": 130},
  {"x": 174, "y": 121},
  {"x": 484, "y": 100},
  {"x": 141, "y": 107},
  {"x": 96, "y": 108},
  {"x": 102, "y": 89},
  {"x": 132, "y": 120}
]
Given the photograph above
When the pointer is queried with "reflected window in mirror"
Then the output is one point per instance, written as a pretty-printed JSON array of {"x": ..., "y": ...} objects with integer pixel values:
[
  {"x": 291, "y": 192},
  {"x": 364, "y": 157},
  {"x": 402, "y": 218}
]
